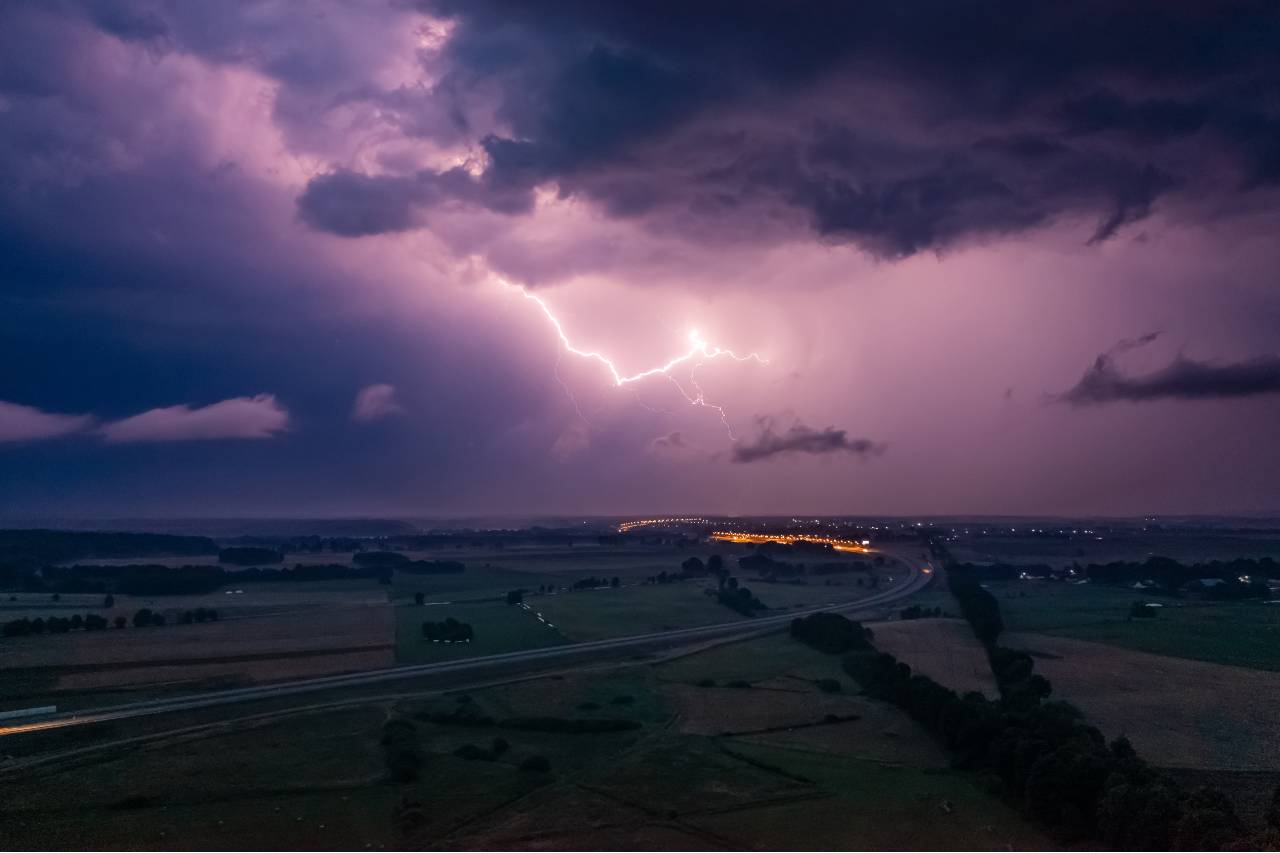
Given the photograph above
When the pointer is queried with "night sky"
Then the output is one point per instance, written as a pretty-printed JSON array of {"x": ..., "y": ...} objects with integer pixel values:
[{"x": 276, "y": 258}]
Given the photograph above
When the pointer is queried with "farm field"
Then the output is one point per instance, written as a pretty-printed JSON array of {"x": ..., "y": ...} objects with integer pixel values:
[
  {"x": 943, "y": 649},
  {"x": 86, "y": 668},
  {"x": 600, "y": 613},
  {"x": 499, "y": 627},
  {"x": 1177, "y": 712},
  {"x": 1244, "y": 633}
]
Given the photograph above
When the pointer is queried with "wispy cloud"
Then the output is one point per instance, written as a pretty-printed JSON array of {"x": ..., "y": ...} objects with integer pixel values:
[
  {"x": 256, "y": 417},
  {"x": 27, "y": 423},
  {"x": 375, "y": 402}
]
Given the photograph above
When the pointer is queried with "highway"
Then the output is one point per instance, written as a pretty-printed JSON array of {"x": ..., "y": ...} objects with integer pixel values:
[{"x": 485, "y": 666}]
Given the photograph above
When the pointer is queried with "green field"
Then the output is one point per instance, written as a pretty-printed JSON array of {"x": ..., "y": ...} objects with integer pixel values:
[
  {"x": 601, "y": 613},
  {"x": 757, "y": 659},
  {"x": 1245, "y": 633},
  {"x": 499, "y": 627},
  {"x": 882, "y": 806}
]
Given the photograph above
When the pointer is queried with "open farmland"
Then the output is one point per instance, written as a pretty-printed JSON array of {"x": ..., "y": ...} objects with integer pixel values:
[
  {"x": 318, "y": 777},
  {"x": 599, "y": 613},
  {"x": 499, "y": 627},
  {"x": 1177, "y": 713},
  {"x": 83, "y": 668},
  {"x": 943, "y": 649},
  {"x": 1240, "y": 633}
]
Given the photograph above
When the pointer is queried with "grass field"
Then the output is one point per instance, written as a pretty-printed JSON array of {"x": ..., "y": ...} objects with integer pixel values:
[
  {"x": 943, "y": 649},
  {"x": 600, "y": 613},
  {"x": 1238, "y": 633},
  {"x": 873, "y": 806},
  {"x": 303, "y": 782},
  {"x": 87, "y": 669},
  {"x": 499, "y": 627},
  {"x": 1180, "y": 713}
]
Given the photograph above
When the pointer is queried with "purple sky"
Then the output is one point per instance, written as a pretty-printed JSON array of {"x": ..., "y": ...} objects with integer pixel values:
[{"x": 267, "y": 258}]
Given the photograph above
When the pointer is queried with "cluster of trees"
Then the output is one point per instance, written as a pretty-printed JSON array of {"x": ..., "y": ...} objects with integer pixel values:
[
  {"x": 915, "y": 611},
  {"x": 772, "y": 569},
  {"x": 738, "y": 598},
  {"x": 831, "y": 633},
  {"x": 200, "y": 614},
  {"x": 594, "y": 582},
  {"x": 693, "y": 568},
  {"x": 448, "y": 631},
  {"x": 53, "y": 625},
  {"x": 400, "y": 750},
  {"x": 250, "y": 556},
  {"x": 143, "y": 618}
]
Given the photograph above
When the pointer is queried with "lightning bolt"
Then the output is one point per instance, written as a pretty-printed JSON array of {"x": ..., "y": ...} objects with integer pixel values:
[{"x": 699, "y": 349}]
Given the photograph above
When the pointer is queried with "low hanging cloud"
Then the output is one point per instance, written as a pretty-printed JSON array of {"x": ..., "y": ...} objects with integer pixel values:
[
  {"x": 375, "y": 402},
  {"x": 799, "y": 439},
  {"x": 1183, "y": 379},
  {"x": 27, "y": 423},
  {"x": 256, "y": 417}
]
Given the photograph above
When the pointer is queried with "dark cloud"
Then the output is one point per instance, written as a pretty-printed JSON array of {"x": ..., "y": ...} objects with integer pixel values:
[
  {"x": 876, "y": 124},
  {"x": 1182, "y": 379},
  {"x": 798, "y": 438},
  {"x": 350, "y": 204}
]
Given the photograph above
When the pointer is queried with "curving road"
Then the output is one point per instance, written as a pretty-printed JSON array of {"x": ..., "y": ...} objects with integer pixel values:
[{"x": 487, "y": 665}]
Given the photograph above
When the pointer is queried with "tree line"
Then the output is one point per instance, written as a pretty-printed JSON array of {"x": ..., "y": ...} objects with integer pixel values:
[
  {"x": 1048, "y": 761},
  {"x": 1240, "y": 578},
  {"x": 448, "y": 631},
  {"x": 143, "y": 618}
]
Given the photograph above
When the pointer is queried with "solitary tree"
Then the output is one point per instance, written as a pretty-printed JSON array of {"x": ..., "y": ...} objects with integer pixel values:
[
  {"x": 109, "y": 601},
  {"x": 419, "y": 598}
]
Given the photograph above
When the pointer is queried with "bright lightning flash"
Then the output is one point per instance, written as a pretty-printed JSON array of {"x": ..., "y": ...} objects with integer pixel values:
[{"x": 699, "y": 349}]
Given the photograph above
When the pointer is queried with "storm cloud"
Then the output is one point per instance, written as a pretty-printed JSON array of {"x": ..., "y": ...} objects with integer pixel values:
[
  {"x": 896, "y": 128},
  {"x": 1182, "y": 379},
  {"x": 799, "y": 439}
]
